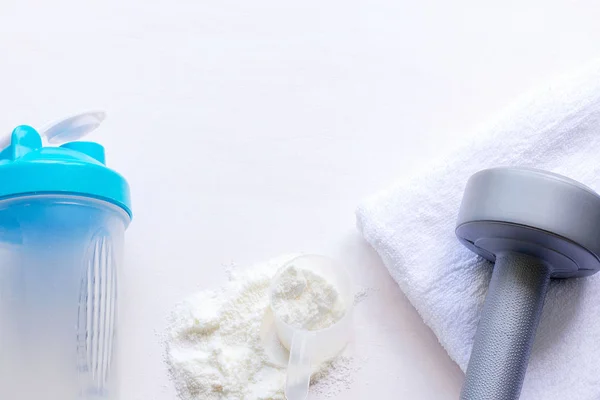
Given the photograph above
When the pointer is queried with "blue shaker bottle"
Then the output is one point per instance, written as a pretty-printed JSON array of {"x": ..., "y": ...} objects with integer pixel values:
[{"x": 63, "y": 215}]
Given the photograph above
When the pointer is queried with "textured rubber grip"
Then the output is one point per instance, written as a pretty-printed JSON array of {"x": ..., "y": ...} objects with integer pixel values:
[{"x": 506, "y": 331}]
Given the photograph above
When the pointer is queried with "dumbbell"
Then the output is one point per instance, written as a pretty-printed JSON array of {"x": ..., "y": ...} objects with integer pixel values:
[{"x": 535, "y": 226}]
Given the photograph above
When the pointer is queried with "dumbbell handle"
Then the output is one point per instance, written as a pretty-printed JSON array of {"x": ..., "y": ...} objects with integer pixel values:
[{"x": 506, "y": 331}]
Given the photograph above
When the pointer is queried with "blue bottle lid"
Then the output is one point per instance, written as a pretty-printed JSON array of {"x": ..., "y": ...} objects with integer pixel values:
[{"x": 75, "y": 168}]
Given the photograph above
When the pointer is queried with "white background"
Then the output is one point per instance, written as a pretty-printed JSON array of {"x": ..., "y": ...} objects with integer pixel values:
[{"x": 248, "y": 129}]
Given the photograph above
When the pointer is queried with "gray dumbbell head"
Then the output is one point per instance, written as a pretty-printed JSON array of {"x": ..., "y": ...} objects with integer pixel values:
[{"x": 532, "y": 212}]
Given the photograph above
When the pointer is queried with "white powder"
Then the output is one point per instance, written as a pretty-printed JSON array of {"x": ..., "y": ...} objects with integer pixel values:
[
  {"x": 221, "y": 344},
  {"x": 336, "y": 376},
  {"x": 304, "y": 299}
]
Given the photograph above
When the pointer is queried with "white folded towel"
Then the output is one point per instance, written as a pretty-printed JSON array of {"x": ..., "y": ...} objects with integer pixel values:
[{"x": 411, "y": 225}]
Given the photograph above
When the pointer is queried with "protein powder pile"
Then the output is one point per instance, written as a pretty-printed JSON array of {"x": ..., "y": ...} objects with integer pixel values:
[
  {"x": 304, "y": 299},
  {"x": 221, "y": 344}
]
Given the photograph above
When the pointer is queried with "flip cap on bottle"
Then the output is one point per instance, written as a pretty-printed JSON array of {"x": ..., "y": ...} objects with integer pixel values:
[{"x": 68, "y": 167}]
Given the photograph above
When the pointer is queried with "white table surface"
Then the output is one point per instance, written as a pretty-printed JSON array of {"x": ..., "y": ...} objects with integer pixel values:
[{"x": 248, "y": 129}]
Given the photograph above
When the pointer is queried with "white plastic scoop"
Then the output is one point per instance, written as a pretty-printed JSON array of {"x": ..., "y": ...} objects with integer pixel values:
[{"x": 309, "y": 348}]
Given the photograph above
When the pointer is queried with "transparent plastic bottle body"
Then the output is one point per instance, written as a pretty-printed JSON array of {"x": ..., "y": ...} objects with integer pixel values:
[{"x": 59, "y": 265}]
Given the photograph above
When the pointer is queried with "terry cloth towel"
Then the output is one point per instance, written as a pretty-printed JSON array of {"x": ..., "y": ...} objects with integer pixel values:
[{"x": 411, "y": 226}]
